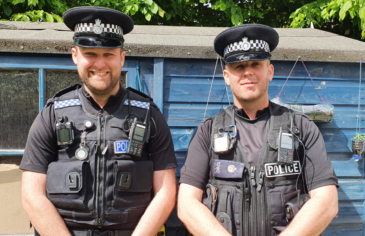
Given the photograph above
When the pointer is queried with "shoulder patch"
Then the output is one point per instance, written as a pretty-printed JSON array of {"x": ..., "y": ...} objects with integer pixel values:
[
  {"x": 135, "y": 103},
  {"x": 67, "y": 103}
]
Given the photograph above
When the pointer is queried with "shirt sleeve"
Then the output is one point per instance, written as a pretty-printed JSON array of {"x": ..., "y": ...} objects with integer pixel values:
[
  {"x": 161, "y": 146},
  {"x": 196, "y": 169},
  {"x": 41, "y": 146},
  {"x": 318, "y": 169}
]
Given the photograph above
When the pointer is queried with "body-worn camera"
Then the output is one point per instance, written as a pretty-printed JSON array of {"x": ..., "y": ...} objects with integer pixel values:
[
  {"x": 285, "y": 148},
  {"x": 223, "y": 141},
  {"x": 64, "y": 131}
]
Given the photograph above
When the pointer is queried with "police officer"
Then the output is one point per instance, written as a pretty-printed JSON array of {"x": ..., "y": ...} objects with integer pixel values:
[
  {"x": 99, "y": 159},
  {"x": 250, "y": 168}
]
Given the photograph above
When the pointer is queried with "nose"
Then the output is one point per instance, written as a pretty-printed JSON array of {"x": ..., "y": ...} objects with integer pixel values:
[
  {"x": 99, "y": 63},
  {"x": 247, "y": 72}
]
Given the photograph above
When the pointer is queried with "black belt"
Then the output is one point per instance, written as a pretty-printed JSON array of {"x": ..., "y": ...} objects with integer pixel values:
[{"x": 91, "y": 232}]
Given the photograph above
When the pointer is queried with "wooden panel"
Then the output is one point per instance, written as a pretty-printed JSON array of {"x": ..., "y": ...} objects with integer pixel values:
[
  {"x": 297, "y": 90},
  {"x": 351, "y": 189},
  {"x": 194, "y": 67},
  {"x": 191, "y": 114},
  {"x": 349, "y": 212},
  {"x": 158, "y": 82},
  {"x": 146, "y": 72},
  {"x": 340, "y": 230}
]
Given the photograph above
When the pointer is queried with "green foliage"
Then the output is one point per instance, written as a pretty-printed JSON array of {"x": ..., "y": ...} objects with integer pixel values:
[
  {"x": 346, "y": 17},
  {"x": 359, "y": 137}
]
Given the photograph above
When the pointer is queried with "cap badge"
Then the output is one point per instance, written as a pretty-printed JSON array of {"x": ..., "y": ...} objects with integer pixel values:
[
  {"x": 245, "y": 44},
  {"x": 98, "y": 29},
  {"x": 231, "y": 168}
]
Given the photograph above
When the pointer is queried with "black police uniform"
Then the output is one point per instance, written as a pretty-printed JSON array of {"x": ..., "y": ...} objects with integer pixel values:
[
  {"x": 94, "y": 182},
  {"x": 245, "y": 188}
]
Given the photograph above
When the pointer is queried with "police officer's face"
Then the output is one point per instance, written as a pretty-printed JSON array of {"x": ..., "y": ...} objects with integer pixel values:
[
  {"x": 99, "y": 68},
  {"x": 249, "y": 80}
]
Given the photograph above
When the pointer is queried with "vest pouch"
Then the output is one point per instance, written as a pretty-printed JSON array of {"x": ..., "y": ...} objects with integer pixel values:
[
  {"x": 228, "y": 207},
  {"x": 278, "y": 197},
  {"x": 66, "y": 184},
  {"x": 133, "y": 183}
]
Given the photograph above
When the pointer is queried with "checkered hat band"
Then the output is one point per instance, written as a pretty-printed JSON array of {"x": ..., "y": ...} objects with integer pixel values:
[
  {"x": 144, "y": 105},
  {"x": 107, "y": 28},
  {"x": 67, "y": 103},
  {"x": 255, "y": 45}
]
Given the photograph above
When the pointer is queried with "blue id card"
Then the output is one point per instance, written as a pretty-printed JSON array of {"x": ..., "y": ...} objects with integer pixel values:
[{"x": 121, "y": 146}]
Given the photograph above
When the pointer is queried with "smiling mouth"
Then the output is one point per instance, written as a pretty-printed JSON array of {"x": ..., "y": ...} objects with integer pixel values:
[
  {"x": 99, "y": 73},
  {"x": 248, "y": 83}
]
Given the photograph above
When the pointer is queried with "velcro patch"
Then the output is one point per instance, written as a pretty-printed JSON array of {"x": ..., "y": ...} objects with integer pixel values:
[
  {"x": 135, "y": 103},
  {"x": 67, "y": 103},
  {"x": 276, "y": 170},
  {"x": 121, "y": 146}
]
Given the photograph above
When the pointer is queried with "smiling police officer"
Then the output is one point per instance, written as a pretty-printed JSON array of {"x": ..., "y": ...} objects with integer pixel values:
[
  {"x": 253, "y": 166},
  {"x": 99, "y": 159}
]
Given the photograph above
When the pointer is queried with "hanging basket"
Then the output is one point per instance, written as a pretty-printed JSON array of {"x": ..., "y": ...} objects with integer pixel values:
[{"x": 357, "y": 147}]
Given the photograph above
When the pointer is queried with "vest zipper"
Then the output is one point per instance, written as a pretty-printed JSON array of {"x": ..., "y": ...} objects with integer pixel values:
[
  {"x": 262, "y": 215},
  {"x": 246, "y": 204},
  {"x": 253, "y": 220},
  {"x": 100, "y": 189}
]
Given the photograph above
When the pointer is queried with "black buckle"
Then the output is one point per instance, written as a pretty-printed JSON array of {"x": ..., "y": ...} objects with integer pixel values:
[
  {"x": 73, "y": 180},
  {"x": 124, "y": 180}
]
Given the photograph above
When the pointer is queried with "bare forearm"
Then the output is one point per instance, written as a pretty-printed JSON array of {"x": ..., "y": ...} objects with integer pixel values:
[
  {"x": 315, "y": 216},
  {"x": 164, "y": 185},
  {"x": 44, "y": 216},
  {"x": 198, "y": 219}
]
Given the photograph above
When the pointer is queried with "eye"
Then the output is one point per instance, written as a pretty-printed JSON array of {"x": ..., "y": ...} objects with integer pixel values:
[{"x": 89, "y": 53}]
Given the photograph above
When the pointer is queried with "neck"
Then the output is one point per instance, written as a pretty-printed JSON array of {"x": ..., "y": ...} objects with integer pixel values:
[
  {"x": 251, "y": 107},
  {"x": 101, "y": 99}
]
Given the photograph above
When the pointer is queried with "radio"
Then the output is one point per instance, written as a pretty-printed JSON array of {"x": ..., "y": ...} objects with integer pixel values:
[
  {"x": 285, "y": 148},
  {"x": 136, "y": 138}
]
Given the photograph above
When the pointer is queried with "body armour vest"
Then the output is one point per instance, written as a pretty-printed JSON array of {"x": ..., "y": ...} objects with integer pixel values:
[
  {"x": 250, "y": 199},
  {"x": 108, "y": 189}
]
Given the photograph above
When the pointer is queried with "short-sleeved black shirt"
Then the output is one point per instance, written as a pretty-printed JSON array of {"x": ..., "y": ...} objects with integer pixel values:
[
  {"x": 41, "y": 148},
  {"x": 251, "y": 134}
]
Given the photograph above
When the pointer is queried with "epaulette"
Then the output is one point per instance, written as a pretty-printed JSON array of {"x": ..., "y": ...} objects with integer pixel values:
[
  {"x": 66, "y": 90},
  {"x": 139, "y": 93}
]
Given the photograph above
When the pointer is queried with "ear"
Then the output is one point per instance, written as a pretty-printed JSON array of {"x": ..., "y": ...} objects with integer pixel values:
[
  {"x": 271, "y": 72},
  {"x": 122, "y": 59},
  {"x": 226, "y": 77},
  {"x": 74, "y": 55}
]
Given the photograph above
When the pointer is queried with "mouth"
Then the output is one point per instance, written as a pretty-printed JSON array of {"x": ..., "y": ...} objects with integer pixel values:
[
  {"x": 100, "y": 74},
  {"x": 248, "y": 83}
]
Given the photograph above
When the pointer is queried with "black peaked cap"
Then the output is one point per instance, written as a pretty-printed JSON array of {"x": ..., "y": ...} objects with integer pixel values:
[
  {"x": 249, "y": 31},
  {"x": 88, "y": 14}
]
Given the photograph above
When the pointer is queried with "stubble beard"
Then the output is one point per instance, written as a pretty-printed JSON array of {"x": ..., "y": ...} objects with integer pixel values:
[{"x": 114, "y": 81}]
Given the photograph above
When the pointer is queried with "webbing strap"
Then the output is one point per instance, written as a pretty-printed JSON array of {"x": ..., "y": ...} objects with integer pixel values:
[{"x": 222, "y": 206}]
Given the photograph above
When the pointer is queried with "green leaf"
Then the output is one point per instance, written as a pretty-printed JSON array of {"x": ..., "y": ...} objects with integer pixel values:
[
  {"x": 7, "y": 10},
  {"x": 25, "y": 18},
  {"x": 58, "y": 18},
  {"x": 347, "y": 32},
  {"x": 148, "y": 17},
  {"x": 49, "y": 17},
  {"x": 362, "y": 13},
  {"x": 32, "y": 2},
  {"x": 149, "y": 2},
  {"x": 161, "y": 12},
  {"x": 344, "y": 9},
  {"x": 128, "y": 6},
  {"x": 168, "y": 16},
  {"x": 223, "y": 6},
  {"x": 135, "y": 7},
  {"x": 17, "y": 2},
  {"x": 144, "y": 11},
  {"x": 154, "y": 8},
  {"x": 233, "y": 10},
  {"x": 16, "y": 17},
  {"x": 235, "y": 19}
]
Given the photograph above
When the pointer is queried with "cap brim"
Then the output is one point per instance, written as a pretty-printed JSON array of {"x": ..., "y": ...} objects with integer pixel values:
[
  {"x": 95, "y": 42},
  {"x": 247, "y": 56}
]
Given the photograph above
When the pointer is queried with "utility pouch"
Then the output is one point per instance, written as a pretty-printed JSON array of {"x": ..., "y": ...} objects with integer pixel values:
[
  {"x": 228, "y": 205},
  {"x": 293, "y": 206},
  {"x": 65, "y": 184},
  {"x": 133, "y": 183}
]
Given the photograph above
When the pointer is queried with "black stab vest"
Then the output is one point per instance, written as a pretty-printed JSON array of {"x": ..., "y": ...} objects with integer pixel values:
[
  {"x": 99, "y": 201},
  {"x": 254, "y": 204}
]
